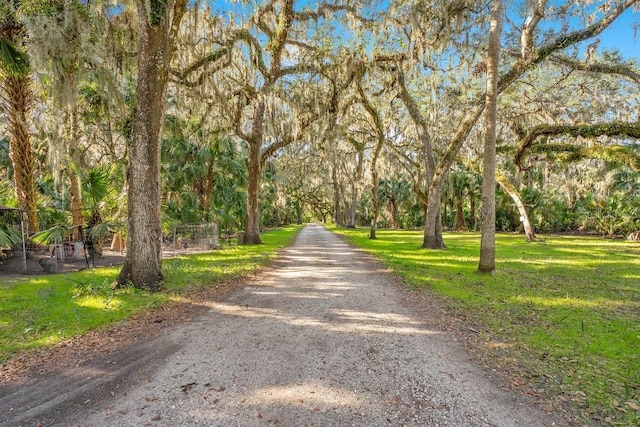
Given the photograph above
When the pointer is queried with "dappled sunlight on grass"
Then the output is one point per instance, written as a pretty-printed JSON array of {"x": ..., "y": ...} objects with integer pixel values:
[
  {"x": 570, "y": 302},
  {"x": 99, "y": 303},
  {"x": 40, "y": 311},
  {"x": 562, "y": 306}
]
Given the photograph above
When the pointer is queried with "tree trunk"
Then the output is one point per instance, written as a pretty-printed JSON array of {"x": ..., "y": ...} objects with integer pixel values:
[
  {"x": 75, "y": 193},
  {"x": 375, "y": 200},
  {"x": 380, "y": 137},
  {"x": 17, "y": 98},
  {"x": 353, "y": 209},
  {"x": 522, "y": 210},
  {"x": 336, "y": 194},
  {"x": 433, "y": 223},
  {"x": 75, "y": 187},
  {"x": 254, "y": 167},
  {"x": 472, "y": 212},
  {"x": 487, "y": 262},
  {"x": 143, "y": 262},
  {"x": 392, "y": 210},
  {"x": 459, "y": 223}
]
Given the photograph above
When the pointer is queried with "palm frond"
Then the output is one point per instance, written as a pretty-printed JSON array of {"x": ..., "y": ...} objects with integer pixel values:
[
  {"x": 9, "y": 236},
  {"x": 57, "y": 233},
  {"x": 13, "y": 60}
]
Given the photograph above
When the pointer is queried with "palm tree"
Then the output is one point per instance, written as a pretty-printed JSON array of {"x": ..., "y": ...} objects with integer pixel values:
[
  {"x": 17, "y": 97},
  {"x": 96, "y": 190},
  {"x": 203, "y": 175}
]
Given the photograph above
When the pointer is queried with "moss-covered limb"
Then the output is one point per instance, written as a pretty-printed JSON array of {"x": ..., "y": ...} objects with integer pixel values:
[
  {"x": 221, "y": 58},
  {"x": 566, "y": 153},
  {"x": 601, "y": 68},
  {"x": 281, "y": 33},
  {"x": 322, "y": 11},
  {"x": 179, "y": 10},
  {"x": 560, "y": 43},
  {"x": 532, "y": 59},
  {"x": 620, "y": 129},
  {"x": 182, "y": 76}
]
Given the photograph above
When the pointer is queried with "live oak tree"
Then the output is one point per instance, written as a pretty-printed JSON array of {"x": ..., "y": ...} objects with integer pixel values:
[
  {"x": 158, "y": 25},
  {"x": 379, "y": 138},
  {"x": 249, "y": 62},
  {"x": 577, "y": 110},
  {"x": 281, "y": 81},
  {"x": 533, "y": 53}
]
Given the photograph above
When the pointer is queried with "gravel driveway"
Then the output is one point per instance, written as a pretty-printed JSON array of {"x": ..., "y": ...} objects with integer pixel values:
[{"x": 324, "y": 338}]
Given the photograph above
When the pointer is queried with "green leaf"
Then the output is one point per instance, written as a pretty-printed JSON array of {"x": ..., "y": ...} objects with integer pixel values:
[{"x": 13, "y": 60}]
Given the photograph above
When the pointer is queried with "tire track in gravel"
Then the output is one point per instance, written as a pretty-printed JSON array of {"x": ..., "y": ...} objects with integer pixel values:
[{"x": 322, "y": 339}]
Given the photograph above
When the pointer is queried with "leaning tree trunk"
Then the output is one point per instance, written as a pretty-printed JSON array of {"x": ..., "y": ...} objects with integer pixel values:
[
  {"x": 143, "y": 262},
  {"x": 522, "y": 209},
  {"x": 254, "y": 167},
  {"x": 487, "y": 262},
  {"x": 17, "y": 95}
]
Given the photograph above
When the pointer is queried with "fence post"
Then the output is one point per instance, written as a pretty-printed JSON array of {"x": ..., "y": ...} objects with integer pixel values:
[{"x": 24, "y": 249}]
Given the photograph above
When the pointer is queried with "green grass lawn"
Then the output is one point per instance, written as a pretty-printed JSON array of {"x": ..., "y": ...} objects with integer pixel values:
[
  {"x": 562, "y": 314},
  {"x": 36, "y": 312}
]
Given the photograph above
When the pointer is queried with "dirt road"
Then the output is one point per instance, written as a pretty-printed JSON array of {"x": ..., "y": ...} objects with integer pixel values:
[{"x": 324, "y": 338}]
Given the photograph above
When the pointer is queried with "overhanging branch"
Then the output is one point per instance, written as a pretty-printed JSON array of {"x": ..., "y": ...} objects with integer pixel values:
[{"x": 615, "y": 129}]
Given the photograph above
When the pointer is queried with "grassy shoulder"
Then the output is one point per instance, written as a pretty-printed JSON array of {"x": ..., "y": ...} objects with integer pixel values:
[
  {"x": 37, "y": 312},
  {"x": 562, "y": 314}
]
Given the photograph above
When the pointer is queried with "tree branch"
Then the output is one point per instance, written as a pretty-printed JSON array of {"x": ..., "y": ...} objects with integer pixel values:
[
  {"x": 629, "y": 130},
  {"x": 526, "y": 37},
  {"x": 519, "y": 68},
  {"x": 561, "y": 43},
  {"x": 601, "y": 68}
]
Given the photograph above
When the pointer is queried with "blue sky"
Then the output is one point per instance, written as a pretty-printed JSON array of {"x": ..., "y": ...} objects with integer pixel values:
[
  {"x": 623, "y": 35},
  {"x": 620, "y": 36}
]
